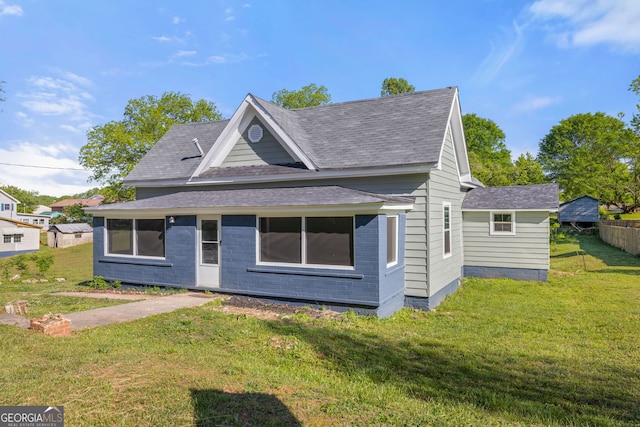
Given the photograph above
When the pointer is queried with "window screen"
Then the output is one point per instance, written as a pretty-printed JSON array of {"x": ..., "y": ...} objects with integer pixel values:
[
  {"x": 329, "y": 240},
  {"x": 150, "y": 237},
  {"x": 280, "y": 240},
  {"x": 120, "y": 236}
]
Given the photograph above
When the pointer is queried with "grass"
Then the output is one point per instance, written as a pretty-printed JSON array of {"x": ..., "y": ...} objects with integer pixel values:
[
  {"x": 496, "y": 353},
  {"x": 73, "y": 264}
]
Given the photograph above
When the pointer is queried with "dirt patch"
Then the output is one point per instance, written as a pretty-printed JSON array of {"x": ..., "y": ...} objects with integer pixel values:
[{"x": 269, "y": 310}]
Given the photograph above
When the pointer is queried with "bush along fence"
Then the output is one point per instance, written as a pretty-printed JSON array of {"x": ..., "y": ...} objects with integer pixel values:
[{"x": 622, "y": 234}]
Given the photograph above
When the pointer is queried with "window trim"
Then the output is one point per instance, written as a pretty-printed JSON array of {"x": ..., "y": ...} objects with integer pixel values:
[
  {"x": 303, "y": 244},
  {"x": 134, "y": 242},
  {"x": 396, "y": 220},
  {"x": 7, "y": 238},
  {"x": 492, "y": 222},
  {"x": 446, "y": 206}
]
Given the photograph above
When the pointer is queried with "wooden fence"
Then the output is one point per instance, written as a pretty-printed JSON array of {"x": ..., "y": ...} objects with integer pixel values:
[{"x": 622, "y": 234}]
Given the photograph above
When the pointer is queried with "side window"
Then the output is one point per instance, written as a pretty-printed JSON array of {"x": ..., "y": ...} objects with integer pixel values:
[
  {"x": 503, "y": 223},
  {"x": 446, "y": 218},
  {"x": 392, "y": 240}
]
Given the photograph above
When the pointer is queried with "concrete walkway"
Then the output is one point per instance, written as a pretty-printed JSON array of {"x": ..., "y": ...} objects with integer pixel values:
[{"x": 123, "y": 312}]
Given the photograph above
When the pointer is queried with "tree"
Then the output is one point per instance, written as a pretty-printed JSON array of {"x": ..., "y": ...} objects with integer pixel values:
[
  {"x": 596, "y": 155},
  {"x": 489, "y": 158},
  {"x": 114, "y": 148},
  {"x": 394, "y": 86},
  {"x": 309, "y": 96},
  {"x": 76, "y": 214},
  {"x": 527, "y": 171},
  {"x": 635, "y": 88}
]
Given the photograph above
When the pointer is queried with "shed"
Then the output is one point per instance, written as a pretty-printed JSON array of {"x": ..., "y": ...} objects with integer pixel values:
[
  {"x": 66, "y": 235},
  {"x": 581, "y": 211}
]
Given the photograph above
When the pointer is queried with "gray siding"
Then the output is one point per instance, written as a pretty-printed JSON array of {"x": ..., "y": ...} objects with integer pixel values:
[
  {"x": 582, "y": 209},
  {"x": 528, "y": 248},
  {"x": 444, "y": 186},
  {"x": 266, "y": 152}
]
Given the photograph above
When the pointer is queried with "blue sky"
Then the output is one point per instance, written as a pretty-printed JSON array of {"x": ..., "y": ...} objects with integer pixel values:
[{"x": 72, "y": 64}]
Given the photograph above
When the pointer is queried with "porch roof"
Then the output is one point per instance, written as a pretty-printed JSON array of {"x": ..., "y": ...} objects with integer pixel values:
[{"x": 325, "y": 196}]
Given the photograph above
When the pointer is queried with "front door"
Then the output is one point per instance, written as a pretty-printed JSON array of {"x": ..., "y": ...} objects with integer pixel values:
[{"x": 209, "y": 252}]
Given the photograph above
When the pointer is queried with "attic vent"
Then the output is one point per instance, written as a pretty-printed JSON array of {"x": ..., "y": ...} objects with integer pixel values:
[{"x": 255, "y": 133}]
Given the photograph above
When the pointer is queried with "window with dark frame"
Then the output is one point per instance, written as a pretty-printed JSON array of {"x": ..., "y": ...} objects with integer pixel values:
[
  {"x": 328, "y": 240},
  {"x": 6, "y": 238},
  {"x": 17, "y": 238}
]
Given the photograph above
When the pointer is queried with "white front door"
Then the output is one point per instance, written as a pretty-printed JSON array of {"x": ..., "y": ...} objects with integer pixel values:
[{"x": 209, "y": 251}]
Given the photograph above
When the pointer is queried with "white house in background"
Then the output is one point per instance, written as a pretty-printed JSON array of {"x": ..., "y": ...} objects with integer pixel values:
[
  {"x": 8, "y": 206},
  {"x": 18, "y": 237},
  {"x": 35, "y": 219}
]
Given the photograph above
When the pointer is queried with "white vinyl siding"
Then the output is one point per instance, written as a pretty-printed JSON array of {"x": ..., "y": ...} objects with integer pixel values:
[
  {"x": 266, "y": 152},
  {"x": 529, "y": 248}
]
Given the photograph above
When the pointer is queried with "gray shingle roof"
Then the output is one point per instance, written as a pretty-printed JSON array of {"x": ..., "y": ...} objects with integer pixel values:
[
  {"x": 175, "y": 155},
  {"x": 72, "y": 228},
  {"x": 540, "y": 196},
  {"x": 263, "y": 197},
  {"x": 405, "y": 129}
]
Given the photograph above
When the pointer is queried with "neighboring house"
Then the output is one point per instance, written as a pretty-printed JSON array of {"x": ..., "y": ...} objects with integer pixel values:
[
  {"x": 66, "y": 235},
  {"x": 355, "y": 204},
  {"x": 8, "y": 206},
  {"x": 90, "y": 202},
  {"x": 18, "y": 237},
  {"x": 35, "y": 219},
  {"x": 42, "y": 209},
  {"x": 506, "y": 231},
  {"x": 581, "y": 211}
]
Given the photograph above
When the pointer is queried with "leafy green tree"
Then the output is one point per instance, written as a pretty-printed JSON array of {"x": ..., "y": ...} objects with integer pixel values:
[
  {"x": 309, "y": 96},
  {"x": 527, "y": 171},
  {"x": 394, "y": 86},
  {"x": 28, "y": 199},
  {"x": 594, "y": 154},
  {"x": 76, "y": 214},
  {"x": 114, "y": 148},
  {"x": 635, "y": 120},
  {"x": 489, "y": 158}
]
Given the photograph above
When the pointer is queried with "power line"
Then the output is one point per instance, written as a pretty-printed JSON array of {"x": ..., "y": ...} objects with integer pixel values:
[{"x": 42, "y": 167}]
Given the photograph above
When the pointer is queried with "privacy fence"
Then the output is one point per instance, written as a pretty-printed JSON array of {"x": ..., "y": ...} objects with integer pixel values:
[{"x": 622, "y": 234}]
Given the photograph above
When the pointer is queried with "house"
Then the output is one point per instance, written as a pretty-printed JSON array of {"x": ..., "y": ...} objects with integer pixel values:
[
  {"x": 66, "y": 235},
  {"x": 37, "y": 219},
  {"x": 351, "y": 205},
  {"x": 506, "y": 231},
  {"x": 18, "y": 237},
  {"x": 581, "y": 211},
  {"x": 8, "y": 206},
  {"x": 92, "y": 201}
]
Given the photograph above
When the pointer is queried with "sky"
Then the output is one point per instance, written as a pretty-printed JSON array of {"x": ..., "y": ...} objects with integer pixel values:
[{"x": 69, "y": 65}]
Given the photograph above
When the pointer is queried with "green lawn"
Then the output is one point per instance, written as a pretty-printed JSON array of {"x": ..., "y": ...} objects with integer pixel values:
[{"x": 496, "y": 353}]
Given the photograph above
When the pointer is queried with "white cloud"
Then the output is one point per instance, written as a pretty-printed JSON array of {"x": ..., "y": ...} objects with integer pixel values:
[
  {"x": 10, "y": 9},
  {"x": 55, "y": 96},
  {"x": 230, "y": 18},
  {"x": 177, "y": 20},
  {"x": 165, "y": 39},
  {"x": 41, "y": 178},
  {"x": 182, "y": 53},
  {"x": 500, "y": 54},
  {"x": 587, "y": 22},
  {"x": 532, "y": 103}
]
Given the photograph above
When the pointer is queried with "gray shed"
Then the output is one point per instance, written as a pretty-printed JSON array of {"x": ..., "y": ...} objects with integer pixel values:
[
  {"x": 582, "y": 211},
  {"x": 66, "y": 235}
]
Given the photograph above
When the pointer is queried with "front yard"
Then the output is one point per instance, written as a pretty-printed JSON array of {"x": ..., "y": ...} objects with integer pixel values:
[{"x": 497, "y": 352}]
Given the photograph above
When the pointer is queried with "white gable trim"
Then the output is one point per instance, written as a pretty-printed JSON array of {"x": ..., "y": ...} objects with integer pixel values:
[
  {"x": 248, "y": 110},
  {"x": 454, "y": 125},
  {"x": 10, "y": 196}
]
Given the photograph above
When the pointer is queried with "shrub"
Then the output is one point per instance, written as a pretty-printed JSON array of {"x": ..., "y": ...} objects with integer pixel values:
[
  {"x": 20, "y": 262},
  {"x": 98, "y": 282},
  {"x": 43, "y": 263}
]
